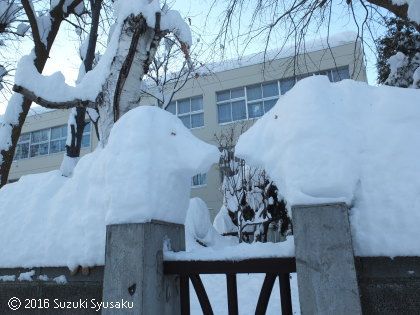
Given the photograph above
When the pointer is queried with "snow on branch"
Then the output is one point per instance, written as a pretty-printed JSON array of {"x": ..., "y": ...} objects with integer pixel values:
[
  {"x": 30, "y": 95},
  {"x": 36, "y": 87}
]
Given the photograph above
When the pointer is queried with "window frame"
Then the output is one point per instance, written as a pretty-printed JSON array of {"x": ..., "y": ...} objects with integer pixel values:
[{"x": 191, "y": 112}]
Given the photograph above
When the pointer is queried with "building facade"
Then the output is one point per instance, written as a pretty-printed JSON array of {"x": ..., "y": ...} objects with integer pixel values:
[{"x": 234, "y": 92}]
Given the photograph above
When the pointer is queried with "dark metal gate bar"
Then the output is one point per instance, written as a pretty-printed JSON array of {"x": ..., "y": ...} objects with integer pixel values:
[{"x": 273, "y": 268}]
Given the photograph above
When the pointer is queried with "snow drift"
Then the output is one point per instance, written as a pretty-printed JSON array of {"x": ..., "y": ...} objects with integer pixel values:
[
  {"x": 351, "y": 142},
  {"x": 143, "y": 173}
]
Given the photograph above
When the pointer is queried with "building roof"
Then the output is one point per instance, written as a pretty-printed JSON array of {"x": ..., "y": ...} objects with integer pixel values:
[{"x": 310, "y": 45}]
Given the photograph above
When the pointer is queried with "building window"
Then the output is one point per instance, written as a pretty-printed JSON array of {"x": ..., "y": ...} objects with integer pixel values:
[
  {"x": 39, "y": 142},
  {"x": 47, "y": 141},
  {"x": 253, "y": 101},
  {"x": 261, "y": 98},
  {"x": 199, "y": 180},
  {"x": 58, "y": 139},
  {"x": 189, "y": 110},
  {"x": 334, "y": 75},
  {"x": 86, "y": 135},
  {"x": 339, "y": 74},
  {"x": 246, "y": 102},
  {"x": 231, "y": 105},
  {"x": 22, "y": 147}
]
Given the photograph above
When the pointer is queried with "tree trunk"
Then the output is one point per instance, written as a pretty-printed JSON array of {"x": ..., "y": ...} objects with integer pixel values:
[
  {"x": 136, "y": 49},
  {"x": 16, "y": 129},
  {"x": 76, "y": 122}
]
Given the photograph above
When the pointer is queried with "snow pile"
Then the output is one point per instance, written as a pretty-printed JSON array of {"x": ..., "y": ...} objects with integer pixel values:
[
  {"x": 198, "y": 228},
  {"x": 60, "y": 279},
  {"x": 235, "y": 251},
  {"x": 143, "y": 173},
  {"x": 91, "y": 84},
  {"x": 349, "y": 142},
  {"x": 223, "y": 223},
  {"x": 26, "y": 276},
  {"x": 8, "y": 278},
  {"x": 163, "y": 157}
]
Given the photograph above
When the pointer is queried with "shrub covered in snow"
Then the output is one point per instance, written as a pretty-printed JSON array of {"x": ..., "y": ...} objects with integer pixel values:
[
  {"x": 399, "y": 54},
  {"x": 250, "y": 198},
  {"x": 351, "y": 142}
]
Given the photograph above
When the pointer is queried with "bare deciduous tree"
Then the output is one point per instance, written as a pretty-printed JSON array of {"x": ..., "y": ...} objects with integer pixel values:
[{"x": 168, "y": 74}]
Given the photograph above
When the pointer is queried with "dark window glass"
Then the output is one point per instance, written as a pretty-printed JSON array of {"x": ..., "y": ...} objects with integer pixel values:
[
  {"x": 223, "y": 95},
  {"x": 238, "y": 110},
  {"x": 196, "y": 104},
  {"x": 270, "y": 89},
  {"x": 224, "y": 112},
  {"x": 255, "y": 110},
  {"x": 253, "y": 92},
  {"x": 184, "y": 106},
  {"x": 197, "y": 120},
  {"x": 286, "y": 85},
  {"x": 236, "y": 93}
]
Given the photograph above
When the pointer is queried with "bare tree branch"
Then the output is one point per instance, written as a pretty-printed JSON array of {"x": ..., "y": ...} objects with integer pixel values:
[{"x": 39, "y": 45}]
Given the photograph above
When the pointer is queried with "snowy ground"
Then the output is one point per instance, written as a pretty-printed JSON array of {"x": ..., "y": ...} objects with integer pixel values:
[{"x": 249, "y": 287}]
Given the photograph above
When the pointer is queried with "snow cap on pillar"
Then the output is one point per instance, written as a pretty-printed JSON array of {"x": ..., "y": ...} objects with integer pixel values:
[{"x": 155, "y": 156}]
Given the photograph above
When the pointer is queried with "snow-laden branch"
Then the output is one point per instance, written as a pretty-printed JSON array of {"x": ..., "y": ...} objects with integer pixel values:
[
  {"x": 30, "y": 95},
  {"x": 52, "y": 91}
]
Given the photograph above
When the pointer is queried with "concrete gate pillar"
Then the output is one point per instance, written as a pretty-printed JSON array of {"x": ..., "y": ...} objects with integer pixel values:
[
  {"x": 325, "y": 266},
  {"x": 134, "y": 268}
]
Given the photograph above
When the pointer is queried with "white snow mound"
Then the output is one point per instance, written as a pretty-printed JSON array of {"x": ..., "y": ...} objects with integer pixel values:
[
  {"x": 199, "y": 231},
  {"x": 351, "y": 142},
  {"x": 143, "y": 173}
]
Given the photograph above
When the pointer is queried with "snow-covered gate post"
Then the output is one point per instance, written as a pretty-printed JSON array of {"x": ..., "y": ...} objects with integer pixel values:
[
  {"x": 134, "y": 268},
  {"x": 147, "y": 208},
  {"x": 324, "y": 260}
]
